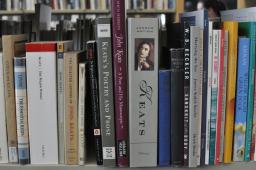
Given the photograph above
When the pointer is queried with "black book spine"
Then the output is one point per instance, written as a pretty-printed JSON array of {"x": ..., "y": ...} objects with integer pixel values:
[
  {"x": 177, "y": 106},
  {"x": 186, "y": 90},
  {"x": 204, "y": 90},
  {"x": 92, "y": 70}
]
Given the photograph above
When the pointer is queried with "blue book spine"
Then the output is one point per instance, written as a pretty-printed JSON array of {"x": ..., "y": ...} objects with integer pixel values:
[
  {"x": 21, "y": 109},
  {"x": 164, "y": 143},
  {"x": 241, "y": 99}
]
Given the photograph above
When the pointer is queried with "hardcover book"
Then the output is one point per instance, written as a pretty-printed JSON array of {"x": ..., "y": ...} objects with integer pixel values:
[
  {"x": 232, "y": 28},
  {"x": 13, "y": 45},
  {"x": 62, "y": 47},
  {"x": 143, "y": 90},
  {"x": 248, "y": 29},
  {"x": 42, "y": 102},
  {"x": 118, "y": 14},
  {"x": 241, "y": 99},
  {"x": 21, "y": 109},
  {"x": 106, "y": 98},
  {"x": 164, "y": 121},
  {"x": 239, "y": 15},
  {"x": 3, "y": 140},
  {"x": 177, "y": 105},
  {"x": 91, "y": 57}
]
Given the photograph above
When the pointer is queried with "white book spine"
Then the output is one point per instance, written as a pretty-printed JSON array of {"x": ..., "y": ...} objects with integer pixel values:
[
  {"x": 224, "y": 96},
  {"x": 92, "y": 4},
  {"x": 81, "y": 114},
  {"x": 42, "y": 107},
  {"x": 209, "y": 87},
  {"x": 3, "y": 139}
]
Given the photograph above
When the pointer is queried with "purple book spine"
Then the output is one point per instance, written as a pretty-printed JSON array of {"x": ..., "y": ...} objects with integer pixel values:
[{"x": 120, "y": 81}]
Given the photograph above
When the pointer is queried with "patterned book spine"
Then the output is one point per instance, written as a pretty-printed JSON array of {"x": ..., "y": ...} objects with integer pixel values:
[
  {"x": 92, "y": 73},
  {"x": 106, "y": 100},
  {"x": 219, "y": 96},
  {"x": 3, "y": 140},
  {"x": 120, "y": 81},
  {"x": 215, "y": 61},
  {"x": 186, "y": 91},
  {"x": 177, "y": 106},
  {"x": 164, "y": 121},
  {"x": 224, "y": 96},
  {"x": 232, "y": 27},
  {"x": 21, "y": 109},
  {"x": 241, "y": 99},
  {"x": 253, "y": 143},
  {"x": 81, "y": 114}
]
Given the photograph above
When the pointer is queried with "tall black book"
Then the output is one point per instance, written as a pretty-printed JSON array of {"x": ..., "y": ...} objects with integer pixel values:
[
  {"x": 93, "y": 83},
  {"x": 186, "y": 90},
  {"x": 177, "y": 105}
]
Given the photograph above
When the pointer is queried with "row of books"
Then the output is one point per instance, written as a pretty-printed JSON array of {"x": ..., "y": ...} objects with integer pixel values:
[
  {"x": 152, "y": 4},
  {"x": 55, "y": 4}
]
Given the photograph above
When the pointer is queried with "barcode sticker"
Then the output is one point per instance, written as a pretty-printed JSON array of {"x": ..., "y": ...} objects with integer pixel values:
[{"x": 109, "y": 153}]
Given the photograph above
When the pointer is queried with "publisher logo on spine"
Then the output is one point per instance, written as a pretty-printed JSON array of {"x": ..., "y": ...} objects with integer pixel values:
[
  {"x": 96, "y": 132},
  {"x": 103, "y": 30}
]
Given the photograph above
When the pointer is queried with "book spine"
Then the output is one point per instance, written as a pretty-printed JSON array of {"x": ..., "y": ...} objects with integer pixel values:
[
  {"x": 253, "y": 143},
  {"x": 186, "y": 91},
  {"x": 143, "y": 91},
  {"x": 106, "y": 99},
  {"x": 10, "y": 110},
  {"x": 205, "y": 27},
  {"x": 71, "y": 110},
  {"x": 219, "y": 96},
  {"x": 194, "y": 95},
  {"x": 3, "y": 140},
  {"x": 232, "y": 27},
  {"x": 177, "y": 106},
  {"x": 42, "y": 102},
  {"x": 224, "y": 97},
  {"x": 200, "y": 94},
  {"x": 248, "y": 136},
  {"x": 60, "y": 93},
  {"x": 241, "y": 99},
  {"x": 21, "y": 109},
  {"x": 92, "y": 73},
  {"x": 120, "y": 81},
  {"x": 208, "y": 107},
  {"x": 215, "y": 62},
  {"x": 81, "y": 115},
  {"x": 164, "y": 121}
]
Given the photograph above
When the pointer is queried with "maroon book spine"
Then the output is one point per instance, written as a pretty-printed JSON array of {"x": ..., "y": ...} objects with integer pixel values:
[{"x": 120, "y": 81}]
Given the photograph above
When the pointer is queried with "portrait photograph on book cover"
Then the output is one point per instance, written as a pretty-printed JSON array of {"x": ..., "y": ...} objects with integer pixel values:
[{"x": 144, "y": 54}]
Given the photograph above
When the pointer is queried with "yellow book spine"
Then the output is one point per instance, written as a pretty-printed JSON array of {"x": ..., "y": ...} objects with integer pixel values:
[{"x": 232, "y": 28}]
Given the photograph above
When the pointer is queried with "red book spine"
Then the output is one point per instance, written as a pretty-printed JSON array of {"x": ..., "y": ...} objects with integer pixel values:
[
  {"x": 219, "y": 99},
  {"x": 120, "y": 81}
]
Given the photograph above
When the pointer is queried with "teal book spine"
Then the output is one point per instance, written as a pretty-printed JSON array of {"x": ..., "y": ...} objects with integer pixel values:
[{"x": 248, "y": 29}]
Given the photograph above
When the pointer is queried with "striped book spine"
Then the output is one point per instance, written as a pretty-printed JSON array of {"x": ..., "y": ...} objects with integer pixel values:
[{"x": 21, "y": 109}]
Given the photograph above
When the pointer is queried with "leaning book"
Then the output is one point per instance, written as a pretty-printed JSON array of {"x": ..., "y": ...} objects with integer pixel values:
[{"x": 143, "y": 90}]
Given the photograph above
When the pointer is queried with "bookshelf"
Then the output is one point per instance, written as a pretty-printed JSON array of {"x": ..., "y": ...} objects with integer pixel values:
[{"x": 233, "y": 166}]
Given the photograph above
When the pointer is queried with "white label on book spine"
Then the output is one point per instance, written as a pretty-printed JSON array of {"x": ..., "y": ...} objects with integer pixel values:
[
  {"x": 104, "y": 30},
  {"x": 13, "y": 155},
  {"x": 109, "y": 153}
]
